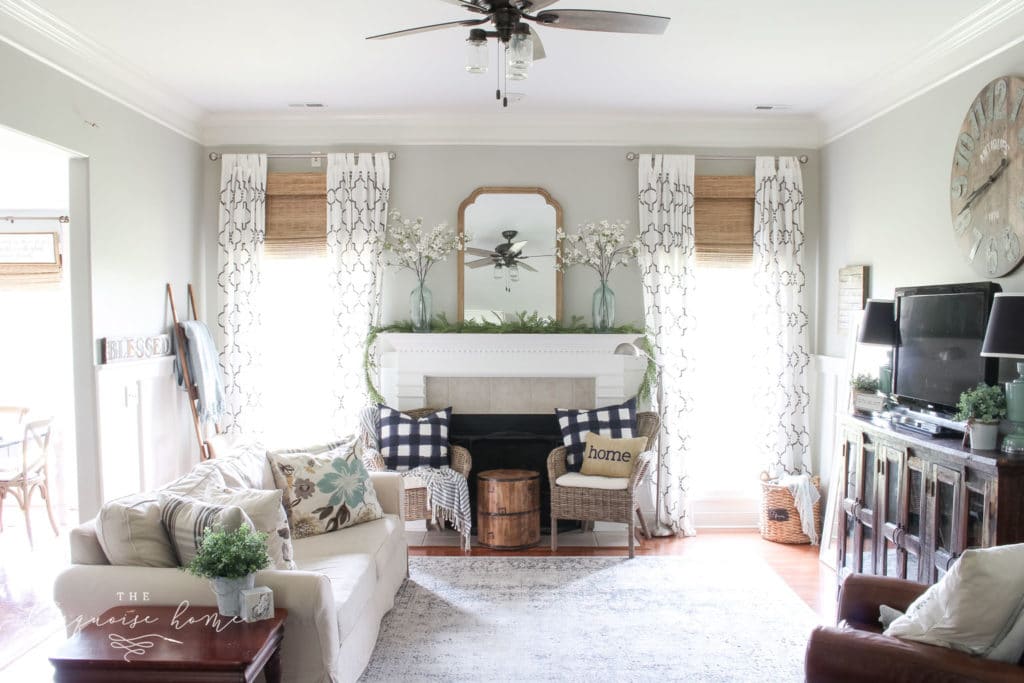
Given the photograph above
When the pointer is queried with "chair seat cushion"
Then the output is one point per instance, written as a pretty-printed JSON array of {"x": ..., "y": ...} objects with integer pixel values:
[
  {"x": 413, "y": 483},
  {"x": 587, "y": 481}
]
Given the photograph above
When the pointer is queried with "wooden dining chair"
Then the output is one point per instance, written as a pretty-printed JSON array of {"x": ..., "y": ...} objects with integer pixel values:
[
  {"x": 12, "y": 415},
  {"x": 33, "y": 472}
]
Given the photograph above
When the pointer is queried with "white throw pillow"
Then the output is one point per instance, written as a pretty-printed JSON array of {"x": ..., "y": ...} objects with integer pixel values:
[
  {"x": 971, "y": 607},
  {"x": 1011, "y": 647},
  {"x": 129, "y": 528},
  {"x": 186, "y": 520},
  {"x": 265, "y": 511}
]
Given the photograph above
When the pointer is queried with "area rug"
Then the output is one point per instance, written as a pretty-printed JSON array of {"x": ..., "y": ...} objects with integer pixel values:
[{"x": 591, "y": 619}]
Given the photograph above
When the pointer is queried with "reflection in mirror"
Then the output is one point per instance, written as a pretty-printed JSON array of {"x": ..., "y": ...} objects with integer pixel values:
[{"x": 508, "y": 265}]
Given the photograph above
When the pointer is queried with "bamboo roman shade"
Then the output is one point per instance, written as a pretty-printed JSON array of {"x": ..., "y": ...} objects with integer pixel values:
[
  {"x": 724, "y": 220},
  {"x": 296, "y": 221}
]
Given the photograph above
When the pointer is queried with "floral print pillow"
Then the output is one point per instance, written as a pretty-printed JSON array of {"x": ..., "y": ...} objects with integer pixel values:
[{"x": 325, "y": 492}]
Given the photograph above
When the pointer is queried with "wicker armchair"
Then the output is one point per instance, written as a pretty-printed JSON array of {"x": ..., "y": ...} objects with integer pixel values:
[
  {"x": 416, "y": 496},
  {"x": 605, "y": 505}
]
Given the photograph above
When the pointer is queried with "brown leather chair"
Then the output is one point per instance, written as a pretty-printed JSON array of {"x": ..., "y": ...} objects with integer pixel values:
[{"x": 856, "y": 650}]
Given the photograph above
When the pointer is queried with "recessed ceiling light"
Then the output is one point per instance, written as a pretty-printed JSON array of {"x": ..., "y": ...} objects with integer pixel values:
[
  {"x": 308, "y": 105},
  {"x": 772, "y": 107}
]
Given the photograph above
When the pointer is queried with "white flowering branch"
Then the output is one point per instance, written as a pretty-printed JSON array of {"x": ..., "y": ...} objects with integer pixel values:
[
  {"x": 601, "y": 246},
  {"x": 416, "y": 248}
]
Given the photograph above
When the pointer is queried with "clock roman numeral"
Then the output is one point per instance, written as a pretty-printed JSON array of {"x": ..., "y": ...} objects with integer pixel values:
[
  {"x": 964, "y": 149},
  {"x": 959, "y": 186},
  {"x": 999, "y": 105},
  {"x": 961, "y": 222},
  {"x": 977, "y": 118},
  {"x": 1017, "y": 100},
  {"x": 978, "y": 237}
]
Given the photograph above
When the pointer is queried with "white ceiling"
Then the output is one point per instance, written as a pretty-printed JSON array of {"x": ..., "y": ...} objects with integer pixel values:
[{"x": 231, "y": 61}]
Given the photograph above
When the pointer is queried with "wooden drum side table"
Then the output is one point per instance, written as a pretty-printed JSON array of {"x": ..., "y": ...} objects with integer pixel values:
[
  {"x": 167, "y": 644},
  {"x": 508, "y": 509}
]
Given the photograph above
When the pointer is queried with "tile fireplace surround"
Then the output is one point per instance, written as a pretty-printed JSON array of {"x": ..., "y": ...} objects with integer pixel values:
[{"x": 506, "y": 373}]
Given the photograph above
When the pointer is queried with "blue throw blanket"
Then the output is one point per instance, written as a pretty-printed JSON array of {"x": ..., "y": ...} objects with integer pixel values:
[{"x": 203, "y": 370}]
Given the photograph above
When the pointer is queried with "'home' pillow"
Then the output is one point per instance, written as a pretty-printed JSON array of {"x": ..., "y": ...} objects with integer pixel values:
[
  {"x": 972, "y": 607},
  {"x": 325, "y": 492},
  {"x": 607, "y": 457},
  {"x": 407, "y": 442},
  {"x": 615, "y": 421}
]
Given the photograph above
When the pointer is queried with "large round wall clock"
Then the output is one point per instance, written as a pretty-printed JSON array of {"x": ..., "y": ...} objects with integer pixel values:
[{"x": 987, "y": 179}]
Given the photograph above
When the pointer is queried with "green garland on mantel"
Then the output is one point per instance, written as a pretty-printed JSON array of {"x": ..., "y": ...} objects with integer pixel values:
[{"x": 523, "y": 323}]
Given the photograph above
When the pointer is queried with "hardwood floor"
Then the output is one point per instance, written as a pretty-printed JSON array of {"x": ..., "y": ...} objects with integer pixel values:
[{"x": 30, "y": 627}]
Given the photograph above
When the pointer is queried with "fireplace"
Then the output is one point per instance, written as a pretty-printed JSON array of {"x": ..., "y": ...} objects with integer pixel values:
[{"x": 510, "y": 442}]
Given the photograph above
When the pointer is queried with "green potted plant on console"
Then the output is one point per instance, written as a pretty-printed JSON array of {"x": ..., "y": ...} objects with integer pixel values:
[
  {"x": 866, "y": 398},
  {"x": 230, "y": 559},
  {"x": 982, "y": 408}
]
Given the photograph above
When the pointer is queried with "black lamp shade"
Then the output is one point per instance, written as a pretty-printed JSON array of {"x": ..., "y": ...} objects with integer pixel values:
[
  {"x": 1005, "y": 334},
  {"x": 878, "y": 325}
]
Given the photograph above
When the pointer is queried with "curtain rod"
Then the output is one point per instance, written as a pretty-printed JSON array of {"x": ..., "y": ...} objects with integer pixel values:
[
  {"x": 214, "y": 156},
  {"x": 59, "y": 219},
  {"x": 633, "y": 156}
]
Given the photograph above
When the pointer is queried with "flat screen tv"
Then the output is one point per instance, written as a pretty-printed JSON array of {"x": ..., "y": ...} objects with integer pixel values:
[{"x": 940, "y": 332}]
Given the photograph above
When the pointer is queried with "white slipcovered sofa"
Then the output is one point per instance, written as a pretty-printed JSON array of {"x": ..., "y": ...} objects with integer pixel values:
[{"x": 345, "y": 582}]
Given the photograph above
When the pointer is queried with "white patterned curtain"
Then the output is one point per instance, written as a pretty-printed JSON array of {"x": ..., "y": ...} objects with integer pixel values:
[
  {"x": 358, "y": 189},
  {"x": 241, "y": 230},
  {"x": 780, "y": 317},
  {"x": 667, "y": 261}
]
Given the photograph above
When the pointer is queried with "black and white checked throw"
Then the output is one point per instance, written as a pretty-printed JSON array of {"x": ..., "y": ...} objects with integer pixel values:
[
  {"x": 406, "y": 443},
  {"x": 618, "y": 422}
]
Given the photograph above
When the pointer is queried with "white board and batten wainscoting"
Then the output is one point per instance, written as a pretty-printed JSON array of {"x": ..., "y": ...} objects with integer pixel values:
[{"x": 145, "y": 435}]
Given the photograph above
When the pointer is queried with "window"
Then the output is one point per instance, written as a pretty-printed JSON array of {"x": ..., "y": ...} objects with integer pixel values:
[
  {"x": 724, "y": 465},
  {"x": 298, "y": 397}
]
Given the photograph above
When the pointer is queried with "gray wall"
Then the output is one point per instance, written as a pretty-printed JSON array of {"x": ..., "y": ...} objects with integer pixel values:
[
  {"x": 135, "y": 206},
  {"x": 885, "y": 197},
  {"x": 591, "y": 183}
]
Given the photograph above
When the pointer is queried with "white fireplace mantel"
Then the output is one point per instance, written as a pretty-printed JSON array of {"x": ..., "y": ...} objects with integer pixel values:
[{"x": 406, "y": 360}]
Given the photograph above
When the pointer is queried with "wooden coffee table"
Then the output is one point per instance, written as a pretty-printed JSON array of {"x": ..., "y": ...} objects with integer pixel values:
[{"x": 167, "y": 644}]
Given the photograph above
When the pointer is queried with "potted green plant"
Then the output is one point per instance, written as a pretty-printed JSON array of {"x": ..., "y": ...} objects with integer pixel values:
[
  {"x": 982, "y": 407},
  {"x": 865, "y": 394},
  {"x": 230, "y": 559}
]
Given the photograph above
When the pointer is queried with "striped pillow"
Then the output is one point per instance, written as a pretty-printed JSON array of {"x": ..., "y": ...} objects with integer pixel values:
[{"x": 185, "y": 520}]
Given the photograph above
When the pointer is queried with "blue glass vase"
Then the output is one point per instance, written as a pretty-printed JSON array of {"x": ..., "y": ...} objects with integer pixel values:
[{"x": 603, "y": 310}]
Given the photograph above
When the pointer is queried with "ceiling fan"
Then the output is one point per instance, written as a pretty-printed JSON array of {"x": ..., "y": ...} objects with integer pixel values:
[
  {"x": 505, "y": 255},
  {"x": 520, "y": 41}
]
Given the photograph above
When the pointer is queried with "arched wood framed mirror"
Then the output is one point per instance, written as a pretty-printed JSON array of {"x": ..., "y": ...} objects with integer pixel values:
[{"x": 508, "y": 265}]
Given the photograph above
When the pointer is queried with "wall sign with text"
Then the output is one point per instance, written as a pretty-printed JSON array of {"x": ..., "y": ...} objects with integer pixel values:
[
  {"x": 114, "y": 349},
  {"x": 29, "y": 252}
]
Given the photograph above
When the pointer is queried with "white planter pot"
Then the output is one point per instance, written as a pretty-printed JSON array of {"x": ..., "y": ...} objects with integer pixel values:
[
  {"x": 228, "y": 593},
  {"x": 984, "y": 435}
]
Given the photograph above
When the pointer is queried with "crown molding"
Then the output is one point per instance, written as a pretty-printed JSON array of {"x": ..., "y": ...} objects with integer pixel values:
[
  {"x": 43, "y": 36},
  {"x": 510, "y": 128},
  {"x": 991, "y": 30}
]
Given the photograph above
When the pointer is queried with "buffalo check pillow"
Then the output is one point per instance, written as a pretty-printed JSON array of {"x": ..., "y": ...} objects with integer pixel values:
[
  {"x": 618, "y": 422},
  {"x": 407, "y": 442}
]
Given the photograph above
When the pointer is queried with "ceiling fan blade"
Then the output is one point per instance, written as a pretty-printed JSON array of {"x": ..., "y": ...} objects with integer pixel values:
[
  {"x": 598, "y": 20},
  {"x": 534, "y": 6},
  {"x": 516, "y": 248},
  {"x": 479, "y": 252},
  {"x": 480, "y": 263},
  {"x": 527, "y": 266},
  {"x": 538, "y": 47},
  {"x": 432, "y": 27},
  {"x": 468, "y": 4}
]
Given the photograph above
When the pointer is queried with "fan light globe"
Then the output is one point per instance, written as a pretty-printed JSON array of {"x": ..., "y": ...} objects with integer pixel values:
[{"x": 476, "y": 55}]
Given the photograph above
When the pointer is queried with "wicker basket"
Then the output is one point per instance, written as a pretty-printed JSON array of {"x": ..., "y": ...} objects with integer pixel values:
[{"x": 779, "y": 519}]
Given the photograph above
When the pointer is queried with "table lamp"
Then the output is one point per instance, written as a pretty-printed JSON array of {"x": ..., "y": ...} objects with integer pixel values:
[
  {"x": 878, "y": 326},
  {"x": 1004, "y": 338}
]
